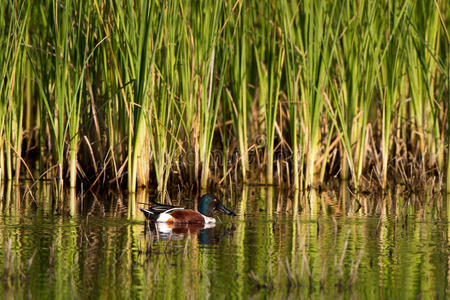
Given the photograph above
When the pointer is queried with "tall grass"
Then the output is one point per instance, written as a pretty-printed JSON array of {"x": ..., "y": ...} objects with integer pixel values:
[
  {"x": 13, "y": 70},
  {"x": 207, "y": 89},
  {"x": 138, "y": 93},
  {"x": 238, "y": 39},
  {"x": 269, "y": 80},
  {"x": 353, "y": 94},
  {"x": 311, "y": 39},
  {"x": 147, "y": 42},
  {"x": 292, "y": 89}
]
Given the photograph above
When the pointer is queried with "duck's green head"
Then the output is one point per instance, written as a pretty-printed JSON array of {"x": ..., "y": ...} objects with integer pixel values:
[{"x": 209, "y": 203}]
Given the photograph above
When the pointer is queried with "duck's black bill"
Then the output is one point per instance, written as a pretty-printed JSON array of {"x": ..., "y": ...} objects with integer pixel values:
[
  {"x": 225, "y": 210},
  {"x": 148, "y": 213}
]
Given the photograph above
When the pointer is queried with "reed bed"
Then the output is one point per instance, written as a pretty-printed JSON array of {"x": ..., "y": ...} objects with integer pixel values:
[{"x": 157, "y": 94}]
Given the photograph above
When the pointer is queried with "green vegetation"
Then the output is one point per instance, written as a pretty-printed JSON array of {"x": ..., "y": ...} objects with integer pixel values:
[{"x": 144, "y": 93}]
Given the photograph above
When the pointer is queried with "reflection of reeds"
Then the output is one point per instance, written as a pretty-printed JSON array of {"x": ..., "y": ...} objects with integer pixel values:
[
  {"x": 14, "y": 269},
  {"x": 298, "y": 272},
  {"x": 8, "y": 263},
  {"x": 265, "y": 283},
  {"x": 274, "y": 256}
]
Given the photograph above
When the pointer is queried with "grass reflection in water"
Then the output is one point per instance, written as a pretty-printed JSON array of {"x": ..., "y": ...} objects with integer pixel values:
[{"x": 342, "y": 245}]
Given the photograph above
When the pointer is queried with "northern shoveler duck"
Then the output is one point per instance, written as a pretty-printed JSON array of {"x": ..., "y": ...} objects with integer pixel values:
[{"x": 162, "y": 213}]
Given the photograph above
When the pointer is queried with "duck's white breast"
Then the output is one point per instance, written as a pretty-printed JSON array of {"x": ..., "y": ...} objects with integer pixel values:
[{"x": 209, "y": 220}]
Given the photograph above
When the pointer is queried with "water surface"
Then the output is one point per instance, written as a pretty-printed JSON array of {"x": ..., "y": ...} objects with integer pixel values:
[{"x": 335, "y": 245}]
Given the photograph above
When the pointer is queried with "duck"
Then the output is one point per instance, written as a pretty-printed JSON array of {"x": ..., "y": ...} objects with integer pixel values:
[{"x": 207, "y": 205}]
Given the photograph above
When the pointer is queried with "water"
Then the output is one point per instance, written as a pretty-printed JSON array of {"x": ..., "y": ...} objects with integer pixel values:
[{"x": 371, "y": 247}]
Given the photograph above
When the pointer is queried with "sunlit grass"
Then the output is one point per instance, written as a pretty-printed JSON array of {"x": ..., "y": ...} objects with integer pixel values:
[{"x": 143, "y": 93}]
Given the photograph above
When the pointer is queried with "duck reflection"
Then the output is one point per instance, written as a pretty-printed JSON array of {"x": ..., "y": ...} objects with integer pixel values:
[
  {"x": 213, "y": 236},
  {"x": 207, "y": 234}
]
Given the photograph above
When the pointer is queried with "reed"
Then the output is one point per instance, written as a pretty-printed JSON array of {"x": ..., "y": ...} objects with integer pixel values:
[
  {"x": 208, "y": 89},
  {"x": 143, "y": 93},
  {"x": 391, "y": 81},
  {"x": 147, "y": 44},
  {"x": 271, "y": 79},
  {"x": 13, "y": 71},
  {"x": 238, "y": 40},
  {"x": 80, "y": 55},
  {"x": 61, "y": 28},
  {"x": 351, "y": 90},
  {"x": 292, "y": 88},
  {"x": 422, "y": 67},
  {"x": 161, "y": 128}
]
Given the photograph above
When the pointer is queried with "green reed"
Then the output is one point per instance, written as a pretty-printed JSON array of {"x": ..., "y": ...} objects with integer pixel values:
[
  {"x": 61, "y": 29},
  {"x": 269, "y": 80},
  {"x": 238, "y": 36},
  {"x": 314, "y": 50},
  {"x": 422, "y": 65},
  {"x": 292, "y": 88},
  {"x": 147, "y": 44},
  {"x": 206, "y": 88},
  {"x": 351, "y": 90},
  {"x": 75, "y": 103},
  {"x": 143, "y": 93},
  {"x": 162, "y": 130},
  {"x": 390, "y": 81},
  {"x": 13, "y": 68}
]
